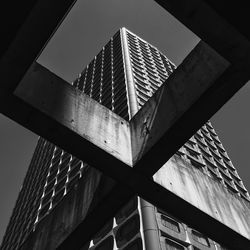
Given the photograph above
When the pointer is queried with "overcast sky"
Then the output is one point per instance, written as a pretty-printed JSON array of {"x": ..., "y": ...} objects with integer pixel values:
[{"x": 87, "y": 28}]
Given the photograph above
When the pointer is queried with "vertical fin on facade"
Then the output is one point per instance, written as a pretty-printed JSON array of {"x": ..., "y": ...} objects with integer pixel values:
[
  {"x": 122, "y": 77},
  {"x": 131, "y": 94}
]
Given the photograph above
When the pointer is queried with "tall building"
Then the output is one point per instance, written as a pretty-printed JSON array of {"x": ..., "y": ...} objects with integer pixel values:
[{"x": 122, "y": 77}]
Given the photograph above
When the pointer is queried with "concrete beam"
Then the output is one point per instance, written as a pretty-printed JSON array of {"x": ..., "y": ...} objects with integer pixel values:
[
  {"x": 225, "y": 30},
  {"x": 76, "y": 111},
  {"x": 24, "y": 49},
  {"x": 60, "y": 103},
  {"x": 24, "y": 39},
  {"x": 104, "y": 130},
  {"x": 126, "y": 141},
  {"x": 117, "y": 195},
  {"x": 178, "y": 95}
]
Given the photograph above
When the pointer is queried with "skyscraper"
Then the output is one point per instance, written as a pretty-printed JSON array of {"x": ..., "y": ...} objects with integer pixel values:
[{"x": 122, "y": 77}]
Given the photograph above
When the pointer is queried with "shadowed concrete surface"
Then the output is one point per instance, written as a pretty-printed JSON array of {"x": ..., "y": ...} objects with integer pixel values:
[
  {"x": 76, "y": 111},
  {"x": 205, "y": 193},
  {"x": 94, "y": 122},
  {"x": 53, "y": 229},
  {"x": 200, "y": 70},
  {"x": 237, "y": 74}
]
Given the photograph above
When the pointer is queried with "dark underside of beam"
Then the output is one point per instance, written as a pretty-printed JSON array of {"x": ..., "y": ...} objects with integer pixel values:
[
  {"x": 26, "y": 27},
  {"x": 236, "y": 13},
  {"x": 222, "y": 25},
  {"x": 144, "y": 187},
  {"x": 131, "y": 180},
  {"x": 24, "y": 40},
  {"x": 15, "y": 18},
  {"x": 102, "y": 212},
  {"x": 192, "y": 120},
  {"x": 165, "y": 200}
]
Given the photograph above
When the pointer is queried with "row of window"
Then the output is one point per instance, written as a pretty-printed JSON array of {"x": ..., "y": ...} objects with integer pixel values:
[
  {"x": 25, "y": 211},
  {"x": 148, "y": 68},
  {"x": 205, "y": 149},
  {"x": 123, "y": 234},
  {"x": 128, "y": 232},
  {"x": 109, "y": 244},
  {"x": 104, "y": 78},
  {"x": 170, "y": 244},
  {"x": 64, "y": 172},
  {"x": 177, "y": 242},
  {"x": 202, "y": 151}
]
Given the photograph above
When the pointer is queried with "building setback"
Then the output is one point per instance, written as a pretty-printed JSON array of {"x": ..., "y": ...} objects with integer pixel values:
[{"x": 122, "y": 77}]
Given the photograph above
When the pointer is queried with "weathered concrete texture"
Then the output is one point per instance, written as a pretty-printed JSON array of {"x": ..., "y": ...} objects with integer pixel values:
[
  {"x": 25, "y": 48},
  {"x": 106, "y": 130},
  {"x": 53, "y": 229},
  {"x": 127, "y": 141},
  {"x": 205, "y": 193},
  {"x": 183, "y": 88},
  {"x": 77, "y": 111}
]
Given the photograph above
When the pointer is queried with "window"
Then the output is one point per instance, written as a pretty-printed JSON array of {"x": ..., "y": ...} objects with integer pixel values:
[
  {"x": 128, "y": 230},
  {"x": 130, "y": 207},
  {"x": 73, "y": 182},
  {"x": 134, "y": 245},
  {"x": 196, "y": 163},
  {"x": 200, "y": 238},
  {"x": 107, "y": 244},
  {"x": 172, "y": 245},
  {"x": 105, "y": 230},
  {"x": 44, "y": 210},
  {"x": 192, "y": 153},
  {"x": 58, "y": 197},
  {"x": 169, "y": 223}
]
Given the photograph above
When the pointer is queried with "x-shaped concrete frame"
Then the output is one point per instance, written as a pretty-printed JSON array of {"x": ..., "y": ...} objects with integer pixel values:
[{"x": 38, "y": 111}]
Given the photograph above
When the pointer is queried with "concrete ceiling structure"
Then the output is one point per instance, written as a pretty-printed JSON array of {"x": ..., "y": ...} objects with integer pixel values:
[{"x": 219, "y": 72}]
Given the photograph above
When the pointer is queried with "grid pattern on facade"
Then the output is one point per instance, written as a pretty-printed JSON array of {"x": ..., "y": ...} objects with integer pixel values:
[
  {"x": 185, "y": 238},
  {"x": 104, "y": 78},
  {"x": 149, "y": 66},
  {"x": 122, "y": 232},
  {"x": 204, "y": 150},
  {"x": 64, "y": 172},
  {"x": 53, "y": 172},
  {"x": 26, "y": 207}
]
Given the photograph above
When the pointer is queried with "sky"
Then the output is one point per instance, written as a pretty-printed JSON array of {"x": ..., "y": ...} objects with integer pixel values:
[{"x": 81, "y": 36}]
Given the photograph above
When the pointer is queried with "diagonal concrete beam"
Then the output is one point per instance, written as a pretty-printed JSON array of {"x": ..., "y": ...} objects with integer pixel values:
[
  {"x": 72, "y": 117},
  {"x": 179, "y": 94},
  {"x": 126, "y": 141},
  {"x": 119, "y": 195},
  {"x": 30, "y": 39},
  {"x": 59, "y": 118},
  {"x": 76, "y": 111},
  {"x": 24, "y": 38}
]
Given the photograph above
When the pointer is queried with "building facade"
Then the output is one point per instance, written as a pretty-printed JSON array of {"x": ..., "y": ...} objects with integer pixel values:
[{"x": 122, "y": 77}]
